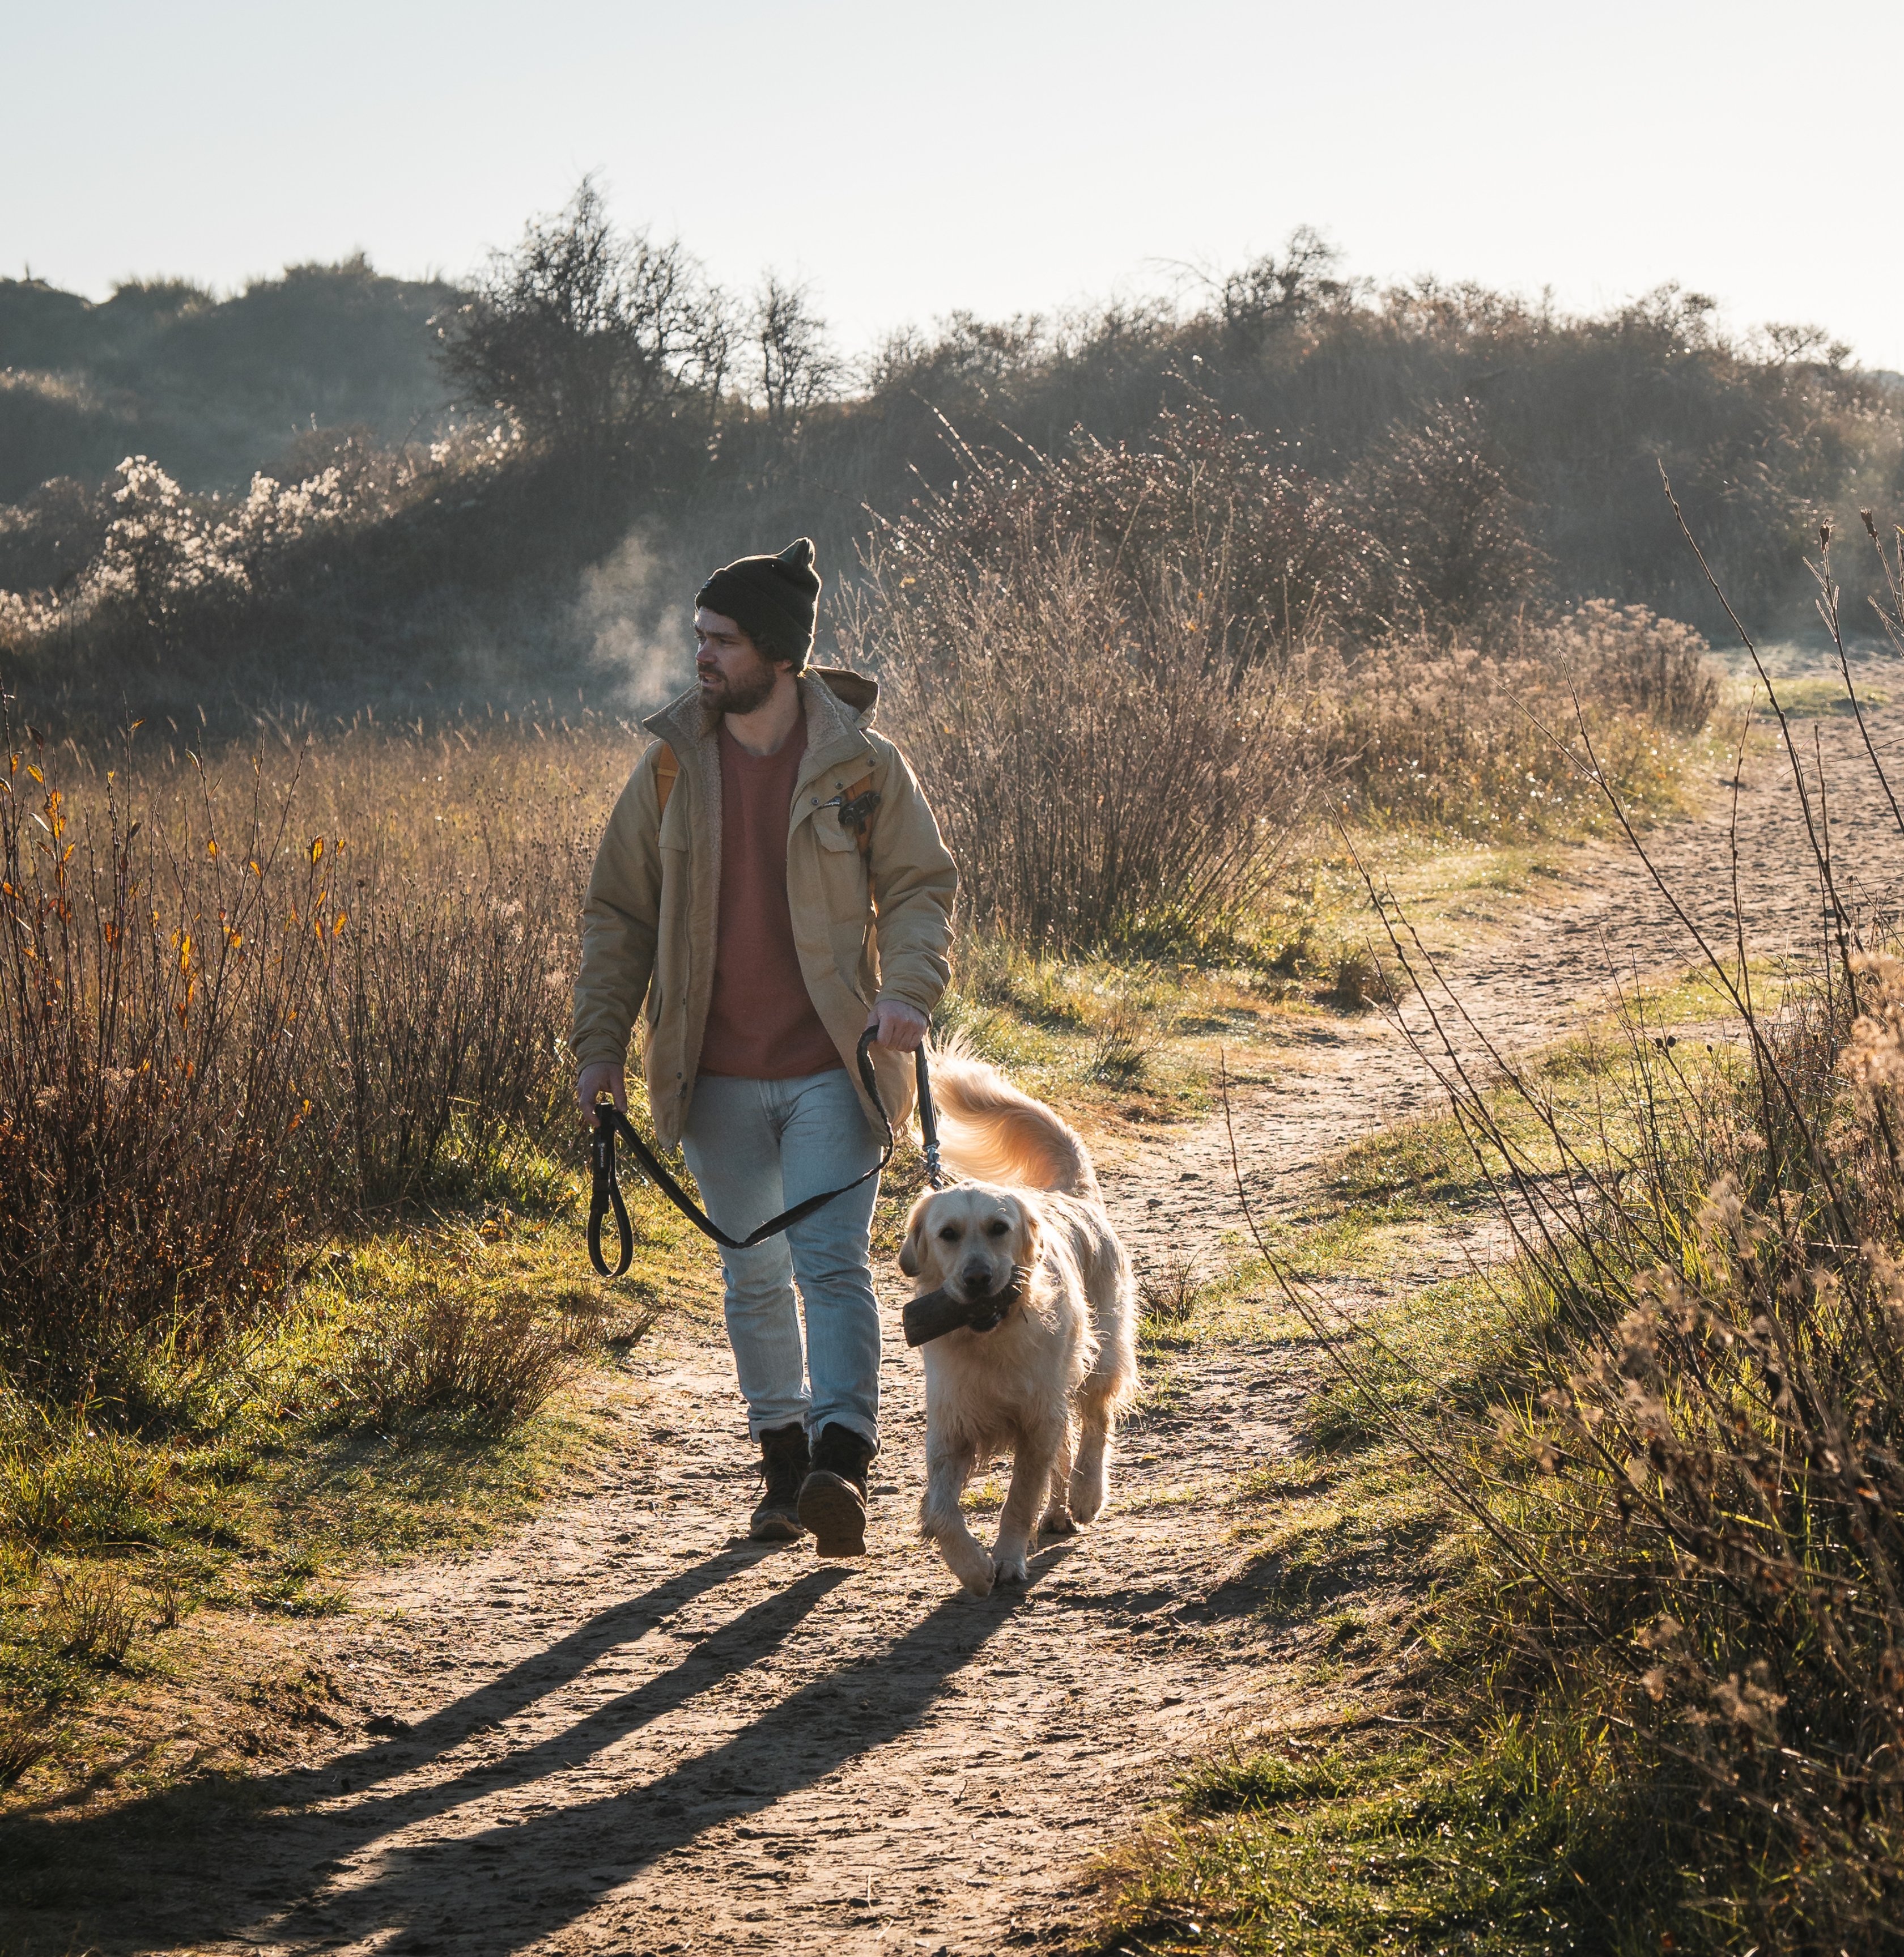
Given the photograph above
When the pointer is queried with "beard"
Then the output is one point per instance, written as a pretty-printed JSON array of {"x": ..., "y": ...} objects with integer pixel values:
[{"x": 740, "y": 695}]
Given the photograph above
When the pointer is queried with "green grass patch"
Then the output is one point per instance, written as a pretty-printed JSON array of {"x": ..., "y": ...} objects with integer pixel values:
[
  {"x": 1813, "y": 696},
  {"x": 1518, "y": 1843},
  {"x": 425, "y": 1387},
  {"x": 1420, "y": 1777}
]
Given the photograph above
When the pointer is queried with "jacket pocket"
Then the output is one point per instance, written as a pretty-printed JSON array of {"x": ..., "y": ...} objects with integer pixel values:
[{"x": 848, "y": 943}]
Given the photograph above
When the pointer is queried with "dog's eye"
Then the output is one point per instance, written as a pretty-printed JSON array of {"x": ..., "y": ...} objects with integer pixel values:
[
  {"x": 949, "y": 1234},
  {"x": 998, "y": 1227}
]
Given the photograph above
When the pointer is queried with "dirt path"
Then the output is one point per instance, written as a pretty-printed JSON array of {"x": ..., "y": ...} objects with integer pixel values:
[
  {"x": 626, "y": 1731},
  {"x": 1549, "y": 973}
]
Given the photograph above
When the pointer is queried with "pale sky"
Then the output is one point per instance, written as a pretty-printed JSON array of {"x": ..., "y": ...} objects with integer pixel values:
[{"x": 906, "y": 159}]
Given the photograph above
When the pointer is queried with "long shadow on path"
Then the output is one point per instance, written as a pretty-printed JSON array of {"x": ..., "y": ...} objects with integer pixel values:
[{"x": 504, "y": 1886}]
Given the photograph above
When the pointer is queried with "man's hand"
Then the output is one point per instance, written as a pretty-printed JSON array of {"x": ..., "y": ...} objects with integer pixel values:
[
  {"x": 601, "y": 1077},
  {"x": 901, "y": 1028}
]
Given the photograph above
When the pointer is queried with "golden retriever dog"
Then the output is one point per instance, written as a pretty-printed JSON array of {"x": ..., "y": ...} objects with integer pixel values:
[{"x": 1047, "y": 1382}]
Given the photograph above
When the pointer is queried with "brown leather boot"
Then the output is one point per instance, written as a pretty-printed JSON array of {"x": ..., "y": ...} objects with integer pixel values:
[
  {"x": 783, "y": 1467},
  {"x": 832, "y": 1498}
]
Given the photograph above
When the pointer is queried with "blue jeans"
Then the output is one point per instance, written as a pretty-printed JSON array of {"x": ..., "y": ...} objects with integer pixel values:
[{"x": 757, "y": 1147}]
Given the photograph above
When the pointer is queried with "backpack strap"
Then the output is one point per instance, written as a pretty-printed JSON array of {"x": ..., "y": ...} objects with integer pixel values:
[{"x": 666, "y": 769}]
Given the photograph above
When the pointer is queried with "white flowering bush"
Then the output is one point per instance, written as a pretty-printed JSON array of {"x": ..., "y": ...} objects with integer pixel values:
[
  {"x": 162, "y": 549},
  {"x": 24, "y": 615},
  {"x": 274, "y": 516},
  {"x": 172, "y": 561}
]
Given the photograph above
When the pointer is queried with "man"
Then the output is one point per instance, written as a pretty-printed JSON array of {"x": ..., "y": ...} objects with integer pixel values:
[{"x": 766, "y": 934}]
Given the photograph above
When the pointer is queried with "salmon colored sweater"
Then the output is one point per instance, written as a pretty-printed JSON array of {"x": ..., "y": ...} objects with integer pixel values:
[{"x": 761, "y": 1024}]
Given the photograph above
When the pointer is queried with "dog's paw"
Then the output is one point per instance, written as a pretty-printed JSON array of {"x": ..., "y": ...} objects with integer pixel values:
[
  {"x": 978, "y": 1582},
  {"x": 971, "y": 1566},
  {"x": 1012, "y": 1567},
  {"x": 1058, "y": 1522}
]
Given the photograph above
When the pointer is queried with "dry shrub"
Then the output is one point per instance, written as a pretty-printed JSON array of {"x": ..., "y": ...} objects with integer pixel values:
[
  {"x": 1722, "y": 1516},
  {"x": 242, "y": 1001},
  {"x": 1692, "y": 1490},
  {"x": 1284, "y": 551},
  {"x": 91, "y": 1615},
  {"x": 151, "y": 1044},
  {"x": 1103, "y": 773},
  {"x": 1437, "y": 491},
  {"x": 446, "y": 1358},
  {"x": 1360, "y": 982},
  {"x": 24, "y": 1742},
  {"x": 594, "y": 1321},
  {"x": 1466, "y": 740},
  {"x": 463, "y": 858},
  {"x": 1167, "y": 1292},
  {"x": 445, "y": 1024},
  {"x": 1624, "y": 653},
  {"x": 1122, "y": 1043}
]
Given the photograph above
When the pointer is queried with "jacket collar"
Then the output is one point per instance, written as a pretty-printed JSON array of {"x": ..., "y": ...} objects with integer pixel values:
[{"x": 839, "y": 706}]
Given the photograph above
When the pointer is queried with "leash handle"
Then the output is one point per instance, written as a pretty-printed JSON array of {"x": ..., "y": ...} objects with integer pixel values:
[
  {"x": 611, "y": 1121},
  {"x": 607, "y": 1194}
]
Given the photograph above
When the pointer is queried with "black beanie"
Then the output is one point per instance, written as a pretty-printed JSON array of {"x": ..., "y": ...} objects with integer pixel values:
[{"x": 773, "y": 599}]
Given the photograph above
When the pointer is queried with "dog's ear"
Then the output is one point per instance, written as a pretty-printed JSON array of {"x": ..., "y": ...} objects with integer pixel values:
[
  {"x": 915, "y": 1236},
  {"x": 1029, "y": 1246}
]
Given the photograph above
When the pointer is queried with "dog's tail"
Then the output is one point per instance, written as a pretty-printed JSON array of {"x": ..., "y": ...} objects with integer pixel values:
[{"x": 993, "y": 1132}]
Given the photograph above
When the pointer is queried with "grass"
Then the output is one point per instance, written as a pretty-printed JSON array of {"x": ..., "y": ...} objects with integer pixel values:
[
  {"x": 1815, "y": 696},
  {"x": 1509, "y": 1845},
  {"x": 270, "y": 1473},
  {"x": 1403, "y": 1789},
  {"x": 124, "y": 1557}
]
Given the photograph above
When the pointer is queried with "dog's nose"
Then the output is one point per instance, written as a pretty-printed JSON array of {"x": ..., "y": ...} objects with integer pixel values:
[{"x": 977, "y": 1275}]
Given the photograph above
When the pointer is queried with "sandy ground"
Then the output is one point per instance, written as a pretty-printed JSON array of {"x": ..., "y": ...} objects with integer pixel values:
[{"x": 629, "y": 1730}]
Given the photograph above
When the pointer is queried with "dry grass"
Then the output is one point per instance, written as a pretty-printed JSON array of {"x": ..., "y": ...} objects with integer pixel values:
[
  {"x": 1652, "y": 1472},
  {"x": 1167, "y": 1293},
  {"x": 1462, "y": 742},
  {"x": 92, "y": 1614},
  {"x": 450, "y": 1356},
  {"x": 245, "y": 1000},
  {"x": 24, "y": 1742}
]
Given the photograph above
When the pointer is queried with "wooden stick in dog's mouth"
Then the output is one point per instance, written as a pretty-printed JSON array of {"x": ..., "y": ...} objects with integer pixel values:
[{"x": 933, "y": 1315}]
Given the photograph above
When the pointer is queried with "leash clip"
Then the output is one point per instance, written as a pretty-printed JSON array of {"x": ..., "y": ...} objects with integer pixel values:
[{"x": 928, "y": 1121}]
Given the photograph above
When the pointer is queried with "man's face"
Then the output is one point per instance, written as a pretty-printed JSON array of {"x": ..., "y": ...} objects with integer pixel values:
[{"x": 734, "y": 678}]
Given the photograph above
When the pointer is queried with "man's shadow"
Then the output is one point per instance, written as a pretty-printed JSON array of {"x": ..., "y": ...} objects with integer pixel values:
[{"x": 107, "y": 1861}]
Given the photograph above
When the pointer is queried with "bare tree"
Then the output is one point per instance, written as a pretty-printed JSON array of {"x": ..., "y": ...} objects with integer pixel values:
[
  {"x": 797, "y": 365},
  {"x": 1796, "y": 346},
  {"x": 587, "y": 335},
  {"x": 1276, "y": 291}
]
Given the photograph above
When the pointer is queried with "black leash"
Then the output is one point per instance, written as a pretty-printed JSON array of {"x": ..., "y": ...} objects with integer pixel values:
[{"x": 610, "y": 1122}]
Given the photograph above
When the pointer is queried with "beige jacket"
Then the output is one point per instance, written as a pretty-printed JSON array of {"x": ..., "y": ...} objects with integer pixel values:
[{"x": 649, "y": 923}]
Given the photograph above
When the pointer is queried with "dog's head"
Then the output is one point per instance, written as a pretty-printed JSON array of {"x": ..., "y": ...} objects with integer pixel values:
[{"x": 965, "y": 1240}]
